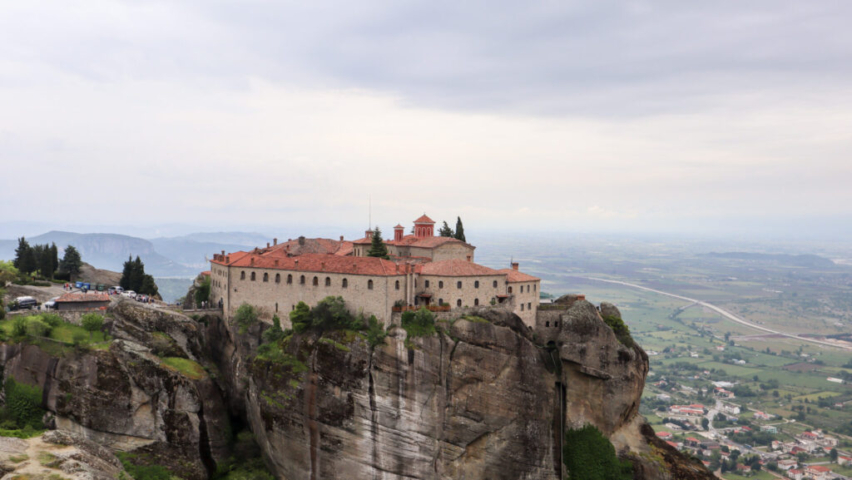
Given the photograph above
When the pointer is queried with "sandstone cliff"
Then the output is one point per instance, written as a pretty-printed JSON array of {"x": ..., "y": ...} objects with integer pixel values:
[{"x": 481, "y": 399}]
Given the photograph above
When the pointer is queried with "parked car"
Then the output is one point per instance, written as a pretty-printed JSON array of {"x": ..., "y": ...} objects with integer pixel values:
[
  {"x": 50, "y": 304},
  {"x": 129, "y": 294},
  {"x": 24, "y": 303}
]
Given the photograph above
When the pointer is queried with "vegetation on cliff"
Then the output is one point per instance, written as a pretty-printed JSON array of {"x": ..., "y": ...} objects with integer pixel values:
[
  {"x": 621, "y": 330},
  {"x": 589, "y": 455}
]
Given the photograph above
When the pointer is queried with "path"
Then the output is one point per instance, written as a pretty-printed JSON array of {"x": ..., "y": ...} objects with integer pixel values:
[{"x": 724, "y": 313}]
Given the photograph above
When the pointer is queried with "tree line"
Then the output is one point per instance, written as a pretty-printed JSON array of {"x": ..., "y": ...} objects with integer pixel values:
[
  {"x": 133, "y": 277},
  {"x": 44, "y": 260}
]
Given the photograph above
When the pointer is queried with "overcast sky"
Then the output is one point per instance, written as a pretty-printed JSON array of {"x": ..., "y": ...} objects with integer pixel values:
[{"x": 554, "y": 115}]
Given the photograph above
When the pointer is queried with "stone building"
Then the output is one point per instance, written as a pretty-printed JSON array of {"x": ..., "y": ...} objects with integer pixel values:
[
  {"x": 423, "y": 270},
  {"x": 79, "y": 301}
]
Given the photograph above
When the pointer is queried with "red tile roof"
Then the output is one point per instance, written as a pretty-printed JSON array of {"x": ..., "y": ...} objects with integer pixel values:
[
  {"x": 456, "y": 268},
  {"x": 514, "y": 276},
  {"x": 424, "y": 219},
  {"x": 76, "y": 297},
  {"x": 315, "y": 262}
]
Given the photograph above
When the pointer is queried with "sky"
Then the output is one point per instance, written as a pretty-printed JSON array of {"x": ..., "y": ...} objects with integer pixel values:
[{"x": 544, "y": 116}]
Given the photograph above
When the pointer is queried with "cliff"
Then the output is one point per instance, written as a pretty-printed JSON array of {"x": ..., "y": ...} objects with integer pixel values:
[{"x": 481, "y": 399}]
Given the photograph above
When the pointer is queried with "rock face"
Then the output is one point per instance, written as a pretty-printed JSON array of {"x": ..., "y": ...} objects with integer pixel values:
[{"x": 479, "y": 400}]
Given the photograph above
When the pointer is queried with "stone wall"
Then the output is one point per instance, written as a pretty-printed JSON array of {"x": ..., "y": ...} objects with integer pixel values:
[{"x": 469, "y": 295}]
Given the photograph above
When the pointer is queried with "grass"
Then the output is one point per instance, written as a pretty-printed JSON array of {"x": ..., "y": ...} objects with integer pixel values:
[
  {"x": 339, "y": 346},
  {"x": 19, "y": 458},
  {"x": 64, "y": 333},
  {"x": 186, "y": 367}
]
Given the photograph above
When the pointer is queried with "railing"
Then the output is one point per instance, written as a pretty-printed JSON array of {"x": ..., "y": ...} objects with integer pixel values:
[{"x": 431, "y": 308}]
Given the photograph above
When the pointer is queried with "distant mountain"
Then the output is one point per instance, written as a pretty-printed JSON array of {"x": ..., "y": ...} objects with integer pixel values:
[
  {"x": 243, "y": 239},
  {"x": 809, "y": 261},
  {"x": 192, "y": 253}
]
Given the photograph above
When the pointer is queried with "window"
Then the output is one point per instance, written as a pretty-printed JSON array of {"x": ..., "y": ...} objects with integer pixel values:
[
  {"x": 476, "y": 302},
  {"x": 510, "y": 290},
  {"x": 345, "y": 283},
  {"x": 397, "y": 284},
  {"x": 546, "y": 324},
  {"x": 316, "y": 282},
  {"x": 426, "y": 283},
  {"x": 327, "y": 281},
  {"x": 252, "y": 276},
  {"x": 534, "y": 287},
  {"x": 458, "y": 284},
  {"x": 302, "y": 280},
  {"x": 529, "y": 306},
  {"x": 440, "y": 301},
  {"x": 495, "y": 283},
  {"x": 522, "y": 307},
  {"x": 476, "y": 284},
  {"x": 369, "y": 284},
  {"x": 265, "y": 277},
  {"x": 458, "y": 302},
  {"x": 440, "y": 284},
  {"x": 243, "y": 275},
  {"x": 289, "y": 279},
  {"x": 556, "y": 324},
  {"x": 277, "y": 278},
  {"x": 276, "y": 307}
]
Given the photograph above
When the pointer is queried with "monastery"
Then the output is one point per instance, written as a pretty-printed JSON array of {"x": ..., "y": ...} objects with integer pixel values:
[{"x": 438, "y": 273}]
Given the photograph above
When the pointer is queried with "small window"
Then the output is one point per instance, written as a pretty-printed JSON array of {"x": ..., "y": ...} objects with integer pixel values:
[
  {"x": 316, "y": 281},
  {"x": 476, "y": 302},
  {"x": 556, "y": 324},
  {"x": 510, "y": 290},
  {"x": 277, "y": 278},
  {"x": 440, "y": 284},
  {"x": 495, "y": 283},
  {"x": 522, "y": 307},
  {"x": 345, "y": 283},
  {"x": 289, "y": 279},
  {"x": 243, "y": 275},
  {"x": 476, "y": 284},
  {"x": 529, "y": 306},
  {"x": 535, "y": 287},
  {"x": 253, "y": 278},
  {"x": 302, "y": 280},
  {"x": 458, "y": 284},
  {"x": 327, "y": 281},
  {"x": 276, "y": 307},
  {"x": 426, "y": 283},
  {"x": 440, "y": 301},
  {"x": 458, "y": 302},
  {"x": 265, "y": 277},
  {"x": 546, "y": 324},
  {"x": 397, "y": 284},
  {"x": 369, "y": 284}
]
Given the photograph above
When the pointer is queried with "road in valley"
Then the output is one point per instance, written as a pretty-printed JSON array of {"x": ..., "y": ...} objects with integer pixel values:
[{"x": 724, "y": 313}]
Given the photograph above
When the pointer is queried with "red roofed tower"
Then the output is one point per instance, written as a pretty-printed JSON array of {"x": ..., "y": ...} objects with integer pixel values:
[
  {"x": 424, "y": 227},
  {"x": 398, "y": 233}
]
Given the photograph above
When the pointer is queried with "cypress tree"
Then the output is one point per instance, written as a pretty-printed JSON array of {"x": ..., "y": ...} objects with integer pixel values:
[
  {"x": 71, "y": 261},
  {"x": 45, "y": 261},
  {"x": 378, "y": 247},
  {"x": 460, "y": 230},
  {"x": 446, "y": 231},
  {"x": 54, "y": 257},
  {"x": 137, "y": 275},
  {"x": 126, "y": 274},
  {"x": 25, "y": 260}
]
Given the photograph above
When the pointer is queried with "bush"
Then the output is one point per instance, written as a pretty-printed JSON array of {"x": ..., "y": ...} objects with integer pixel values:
[
  {"x": 300, "y": 317},
  {"x": 622, "y": 332},
  {"x": 274, "y": 333},
  {"x": 203, "y": 292},
  {"x": 245, "y": 317},
  {"x": 418, "y": 324},
  {"x": 19, "y": 326},
  {"x": 52, "y": 319},
  {"x": 589, "y": 455},
  {"x": 78, "y": 338},
  {"x": 23, "y": 404},
  {"x": 37, "y": 328},
  {"x": 331, "y": 314},
  {"x": 376, "y": 332},
  {"x": 92, "y": 322}
]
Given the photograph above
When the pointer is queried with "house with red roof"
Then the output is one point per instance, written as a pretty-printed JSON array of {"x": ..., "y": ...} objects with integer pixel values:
[
  {"x": 818, "y": 472},
  {"x": 83, "y": 301},
  {"x": 422, "y": 270}
]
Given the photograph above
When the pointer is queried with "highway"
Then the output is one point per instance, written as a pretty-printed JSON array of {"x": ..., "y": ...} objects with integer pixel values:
[{"x": 724, "y": 313}]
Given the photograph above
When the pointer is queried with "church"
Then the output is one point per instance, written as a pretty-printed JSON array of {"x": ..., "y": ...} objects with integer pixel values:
[{"x": 423, "y": 270}]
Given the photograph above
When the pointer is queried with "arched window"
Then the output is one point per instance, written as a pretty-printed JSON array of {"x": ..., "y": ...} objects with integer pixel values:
[
  {"x": 397, "y": 284},
  {"x": 510, "y": 289},
  {"x": 289, "y": 279},
  {"x": 458, "y": 284},
  {"x": 495, "y": 283},
  {"x": 426, "y": 283},
  {"x": 345, "y": 283},
  {"x": 458, "y": 302},
  {"x": 253, "y": 276},
  {"x": 476, "y": 284},
  {"x": 243, "y": 275},
  {"x": 265, "y": 277},
  {"x": 316, "y": 281},
  {"x": 369, "y": 284},
  {"x": 277, "y": 278},
  {"x": 327, "y": 281},
  {"x": 302, "y": 280},
  {"x": 440, "y": 301},
  {"x": 546, "y": 324},
  {"x": 440, "y": 284},
  {"x": 476, "y": 302}
]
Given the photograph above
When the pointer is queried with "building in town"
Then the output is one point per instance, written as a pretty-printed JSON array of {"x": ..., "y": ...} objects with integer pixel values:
[{"x": 422, "y": 271}]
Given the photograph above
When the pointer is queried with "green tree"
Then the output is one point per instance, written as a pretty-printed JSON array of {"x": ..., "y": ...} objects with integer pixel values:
[
  {"x": 137, "y": 275},
  {"x": 832, "y": 454},
  {"x": 246, "y": 316},
  {"x": 126, "y": 274},
  {"x": 71, "y": 261},
  {"x": 25, "y": 260},
  {"x": 54, "y": 257},
  {"x": 460, "y": 230},
  {"x": 23, "y": 404},
  {"x": 44, "y": 258},
  {"x": 331, "y": 314},
  {"x": 378, "y": 247},
  {"x": 274, "y": 333},
  {"x": 705, "y": 424},
  {"x": 202, "y": 294},
  {"x": 589, "y": 455},
  {"x": 149, "y": 286},
  {"x": 446, "y": 231},
  {"x": 92, "y": 322},
  {"x": 19, "y": 326},
  {"x": 300, "y": 317},
  {"x": 8, "y": 272}
]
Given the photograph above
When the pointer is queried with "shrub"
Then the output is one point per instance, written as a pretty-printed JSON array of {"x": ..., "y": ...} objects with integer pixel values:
[
  {"x": 143, "y": 472},
  {"x": 274, "y": 333},
  {"x": 52, "y": 319},
  {"x": 622, "y": 332},
  {"x": 331, "y": 314},
  {"x": 37, "y": 328},
  {"x": 92, "y": 322},
  {"x": 78, "y": 338},
  {"x": 589, "y": 455},
  {"x": 23, "y": 404},
  {"x": 245, "y": 317},
  {"x": 300, "y": 317},
  {"x": 19, "y": 327},
  {"x": 376, "y": 332},
  {"x": 419, "y": 324},
  {"x": 203, "y": 292}
]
